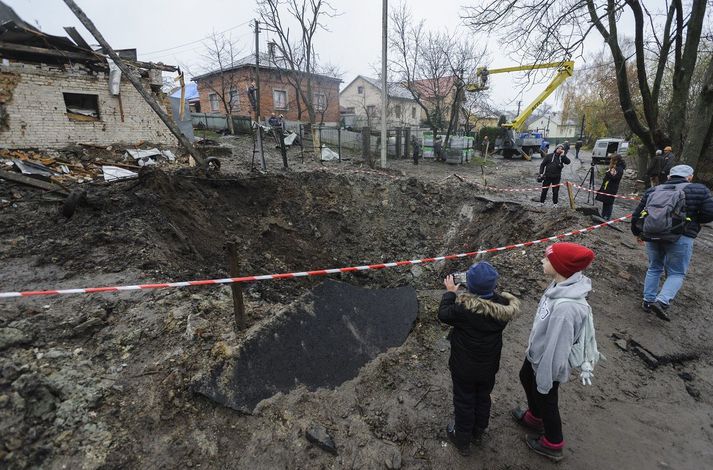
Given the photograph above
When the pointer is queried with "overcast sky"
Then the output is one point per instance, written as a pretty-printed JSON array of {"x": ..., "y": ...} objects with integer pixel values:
[{"x": 170, "y": 31}]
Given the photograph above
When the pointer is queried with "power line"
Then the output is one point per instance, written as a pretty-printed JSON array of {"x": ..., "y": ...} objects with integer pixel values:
[{"x": 194, "y": 42}]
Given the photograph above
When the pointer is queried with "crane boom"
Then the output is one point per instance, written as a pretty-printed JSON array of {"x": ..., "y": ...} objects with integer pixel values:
[{"x": 565, "y": 70}]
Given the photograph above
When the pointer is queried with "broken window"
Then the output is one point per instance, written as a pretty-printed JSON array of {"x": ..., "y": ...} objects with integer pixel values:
[
  {"x": 234, "y": 101},
  {"x": 360, "y": 90},
  {"x": 397, "y": 111},
  {"x": 320, "y": 101},
  {"x": 279, "y": 99},
  {"x": 214, "y": 103},
  {"x": 81, "y": 107}
]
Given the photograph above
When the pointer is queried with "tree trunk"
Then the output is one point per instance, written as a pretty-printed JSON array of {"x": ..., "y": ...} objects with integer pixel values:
[{"x": 699, "y": 128}]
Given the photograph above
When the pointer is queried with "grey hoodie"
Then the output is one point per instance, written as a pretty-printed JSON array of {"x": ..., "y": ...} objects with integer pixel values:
[{"x": 554, "y": 332}]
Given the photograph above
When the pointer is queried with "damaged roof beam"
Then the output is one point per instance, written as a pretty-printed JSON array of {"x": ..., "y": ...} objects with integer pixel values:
[{"x": 7, "y": 46}]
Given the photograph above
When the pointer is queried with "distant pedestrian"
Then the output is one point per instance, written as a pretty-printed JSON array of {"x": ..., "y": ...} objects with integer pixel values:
[
  {"x": 551, "y": 172},
  {"x": 669, "y": 234},
  {"x": 484, "y": 147},
  {"x": 416, "y": 149},
  {"x": 478, "y": 318},
  {"x": 577, "y": 148},
  {"x": 668, "y": 161},
  {"x": 438, "y": 148},
  {"x": 610, "y": 185},
  {"x": 563, "y": 318},
  {"x": 274, "y": 121}
]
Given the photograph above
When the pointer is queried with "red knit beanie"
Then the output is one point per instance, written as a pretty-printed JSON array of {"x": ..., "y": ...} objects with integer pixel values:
[{"x": 569, "y": 258}]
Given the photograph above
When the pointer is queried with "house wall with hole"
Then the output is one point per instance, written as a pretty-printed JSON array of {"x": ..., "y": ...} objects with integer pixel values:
[{"x": 49, "y": 107}]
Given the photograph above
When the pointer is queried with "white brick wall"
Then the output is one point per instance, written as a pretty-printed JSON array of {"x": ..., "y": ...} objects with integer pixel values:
[{"x": 38, "y": 119}]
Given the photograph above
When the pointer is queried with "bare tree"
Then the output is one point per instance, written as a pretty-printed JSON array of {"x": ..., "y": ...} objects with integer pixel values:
[
  {"x": 219, "y": 59},
  {"x": 296, "y": 52},
  {"x": 540, "y": 30},
  {"x": 433, "y": 66}
]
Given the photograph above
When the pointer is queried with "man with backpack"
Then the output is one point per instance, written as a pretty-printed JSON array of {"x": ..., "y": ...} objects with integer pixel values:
[
  {"x": 551, "y": 173},
  {"x": 668, "y": 218}
]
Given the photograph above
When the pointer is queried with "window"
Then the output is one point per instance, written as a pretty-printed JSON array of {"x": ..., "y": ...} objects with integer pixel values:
[
  {"x": 371, "y": 110},
  {"x": 413, "y": 112},
  {"x": 234, "y": 100},
  {"x": 360, "y": 90},
  {"x": 279, "y": 99},
  {"x": 397, "y": 111},
  {"x": 320, "y": 101},
  {"x": 214, "y": 103},
  {"x": 81, "y": 107},
  {"x": 351, "y": 110}
]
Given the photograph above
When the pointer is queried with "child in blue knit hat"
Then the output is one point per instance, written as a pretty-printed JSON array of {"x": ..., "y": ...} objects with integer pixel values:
[{"x": 478, "y": 318}]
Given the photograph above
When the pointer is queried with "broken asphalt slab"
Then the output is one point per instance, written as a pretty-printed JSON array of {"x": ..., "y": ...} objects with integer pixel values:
[{"x": 320, "y": 341}]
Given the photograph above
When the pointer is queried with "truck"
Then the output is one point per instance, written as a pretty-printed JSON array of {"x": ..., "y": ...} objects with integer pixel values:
[{"x": 515, "y": 140}]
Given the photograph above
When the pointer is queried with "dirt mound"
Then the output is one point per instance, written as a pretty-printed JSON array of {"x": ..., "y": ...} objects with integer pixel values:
[{"x": 103, "y": 381}]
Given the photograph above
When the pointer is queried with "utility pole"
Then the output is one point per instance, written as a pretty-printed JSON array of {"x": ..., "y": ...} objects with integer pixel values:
[
  {"x": 84, "y": 19},
  {"x": 581, "y": 129},
  {"x": 263, "y": 165},
  {"x": 384, "y": 95}
]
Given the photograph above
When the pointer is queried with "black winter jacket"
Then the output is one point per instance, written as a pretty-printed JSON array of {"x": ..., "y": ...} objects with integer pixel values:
[
  {"x": 610, "y": 185},
  {"x": 551, "y": 166},
  {"x": 699, "y": 206},
  {"x": 477, "y": 334}
]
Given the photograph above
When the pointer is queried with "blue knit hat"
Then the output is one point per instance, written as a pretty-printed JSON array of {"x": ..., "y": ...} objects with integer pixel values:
[{"x": 481, "y": 279}]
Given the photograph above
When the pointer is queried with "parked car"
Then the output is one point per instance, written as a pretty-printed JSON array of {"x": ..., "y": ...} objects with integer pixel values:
[{"x": 604, "y": 147}]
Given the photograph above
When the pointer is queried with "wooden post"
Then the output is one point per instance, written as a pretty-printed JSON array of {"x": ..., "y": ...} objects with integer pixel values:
[
  {"x": 339, "y": 142},
  {"x": 137, "y": 84},
  {"x": 572, "y": 205},
  {"x": 236, "y": 288},
  {"x": 365, "y": 146},
  {"x": 407, "y": 142},
  {"x": 283, "y": 150}
]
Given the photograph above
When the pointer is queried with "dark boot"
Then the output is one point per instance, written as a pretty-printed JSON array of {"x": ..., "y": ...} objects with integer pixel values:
[
  {"x": 659, "y": 308},
  {"x": 460, "y": 442},
  {"x": 524, "y": 417},
  {"x": 477, "y": 436},
  {"x": 540, "y": 445}
]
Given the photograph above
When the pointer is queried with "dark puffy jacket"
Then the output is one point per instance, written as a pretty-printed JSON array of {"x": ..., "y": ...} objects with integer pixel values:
[
  {"x": 551, "y": 166},
  {"x": 477, "y": 334},
  {"x": 699, "y": 206},
  {"x": 610, "y": 185}
]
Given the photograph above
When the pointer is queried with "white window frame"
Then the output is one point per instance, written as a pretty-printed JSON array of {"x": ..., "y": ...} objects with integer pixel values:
[
  {"x": 214, "y": 102},
  {"x": 274, "y": 102},
  {"x": 320, "y": 104}
]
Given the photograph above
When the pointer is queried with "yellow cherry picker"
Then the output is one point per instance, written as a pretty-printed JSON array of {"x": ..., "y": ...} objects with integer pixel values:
[{"x": 515, "y": 140}]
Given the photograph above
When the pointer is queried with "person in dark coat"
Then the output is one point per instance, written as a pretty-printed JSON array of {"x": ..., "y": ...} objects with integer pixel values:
[
  {"x": 551, "y": 172},
  {"x": 672, "y": 257},
  {"x": 416, "y": 149},
  {"x": 610, "y": 185},
  {"x": 478, "y": 318}
]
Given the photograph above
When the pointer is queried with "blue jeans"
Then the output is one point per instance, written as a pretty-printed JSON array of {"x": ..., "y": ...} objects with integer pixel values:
[{"x": 674, "y": 258}]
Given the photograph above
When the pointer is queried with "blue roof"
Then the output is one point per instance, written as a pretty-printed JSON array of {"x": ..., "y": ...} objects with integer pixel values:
[{"x": 191, "y": 92}]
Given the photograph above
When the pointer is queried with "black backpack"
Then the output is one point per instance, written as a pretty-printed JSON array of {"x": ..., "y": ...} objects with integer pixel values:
[{"x": 664, "y": 216}]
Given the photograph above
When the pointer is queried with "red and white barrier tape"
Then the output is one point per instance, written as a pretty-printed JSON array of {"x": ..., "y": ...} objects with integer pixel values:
[
  {"x": 319, "y": 272},
  {"x": 538, "y": 188},
  {"x": 606, "y": 194}
]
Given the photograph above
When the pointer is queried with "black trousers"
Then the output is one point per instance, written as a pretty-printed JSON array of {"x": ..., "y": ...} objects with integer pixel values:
[
  {"x": 607, "y": 208},
  {"x": 471, "y": 403},
  {"x": 555, "y": 191},
  {"x": 542, "y": 406}
]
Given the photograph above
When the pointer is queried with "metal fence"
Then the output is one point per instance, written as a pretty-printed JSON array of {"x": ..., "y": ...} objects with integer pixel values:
[{"x": 219, "y": 122}]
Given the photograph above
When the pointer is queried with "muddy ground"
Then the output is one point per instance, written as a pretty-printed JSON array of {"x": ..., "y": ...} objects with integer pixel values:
[{"x": 104, "y": 380}]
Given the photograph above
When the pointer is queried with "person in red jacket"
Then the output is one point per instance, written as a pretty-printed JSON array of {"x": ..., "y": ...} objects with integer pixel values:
[{"x": 478, "y": 318}]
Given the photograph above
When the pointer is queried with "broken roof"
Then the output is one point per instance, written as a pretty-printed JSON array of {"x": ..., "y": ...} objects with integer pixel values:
[{"x": 22, "y": 42}]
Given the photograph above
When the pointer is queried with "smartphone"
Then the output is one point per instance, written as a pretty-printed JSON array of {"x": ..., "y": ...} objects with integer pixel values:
[{"x": 459, "y": 278}]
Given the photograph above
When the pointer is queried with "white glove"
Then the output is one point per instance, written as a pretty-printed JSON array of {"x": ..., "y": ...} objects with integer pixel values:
[{"x": 586, "y": 374}]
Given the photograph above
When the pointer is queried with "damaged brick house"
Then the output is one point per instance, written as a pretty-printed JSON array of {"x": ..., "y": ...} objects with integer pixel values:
[
  {"x": 55, "y": 93},
  {"x": 277, "y": 93}
]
